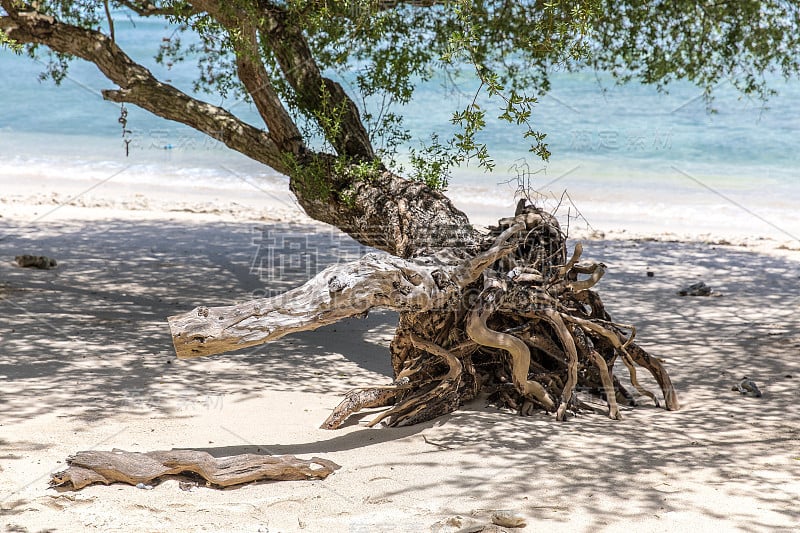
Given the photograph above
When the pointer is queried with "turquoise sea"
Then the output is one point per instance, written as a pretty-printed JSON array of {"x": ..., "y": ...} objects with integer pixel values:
[{"x": 616, "y": 144}]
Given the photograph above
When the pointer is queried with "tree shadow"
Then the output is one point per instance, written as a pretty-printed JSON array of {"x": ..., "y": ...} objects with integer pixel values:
[
  {"x": 337, "y": 442},
  {"x": 89, "y": 341},
  {"x": 741, "y": 450}
]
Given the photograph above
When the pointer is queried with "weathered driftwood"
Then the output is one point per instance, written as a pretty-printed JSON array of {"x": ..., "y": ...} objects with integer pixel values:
[
  {"x": 339, "y": 291},
  {"x": 514, "y": 320},
  {"x": 89, "y": 467}
]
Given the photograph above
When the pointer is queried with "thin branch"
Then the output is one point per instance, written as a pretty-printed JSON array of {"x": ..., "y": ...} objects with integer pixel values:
[
  {"x": 315, "y": 92},
  {"x": 110, "y": 20},
  {"x": 253, "y": 74},
  {"x": 256, "y": 80},
  {"x": 383, "y": 5},
  {"x": 148, "y": 9}
]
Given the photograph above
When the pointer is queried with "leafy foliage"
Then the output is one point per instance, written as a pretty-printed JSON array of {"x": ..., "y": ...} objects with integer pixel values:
[
  {"x": 83, "y": 13},
  {"x": 742, "y": 42},
  {"x": 381, "y": 50}
]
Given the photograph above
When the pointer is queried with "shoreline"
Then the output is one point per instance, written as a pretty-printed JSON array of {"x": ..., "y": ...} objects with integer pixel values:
[{"x": 271, "y": 201}]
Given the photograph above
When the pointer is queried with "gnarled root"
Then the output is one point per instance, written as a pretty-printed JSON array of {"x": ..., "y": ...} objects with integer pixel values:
[
  {"x": 416, "y": 408},
  {"x": 536, "y": 333},
  {"x": 517, "y": 349},
  {"x": 359, "y": 399},
  {"x": 642, "y": 358}
]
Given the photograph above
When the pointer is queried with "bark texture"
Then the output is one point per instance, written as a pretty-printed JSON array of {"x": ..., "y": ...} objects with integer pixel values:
[
  {"x": 339, "y": 291},
  {"x": 390, "y": 213}
]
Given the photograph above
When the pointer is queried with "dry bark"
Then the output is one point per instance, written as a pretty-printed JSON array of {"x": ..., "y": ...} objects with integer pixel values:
[
  {"x": 89, "y": 467},
  {"x": 339, "y": 291}
]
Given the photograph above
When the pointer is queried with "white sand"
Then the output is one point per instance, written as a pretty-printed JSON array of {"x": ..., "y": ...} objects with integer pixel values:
[{"x": 86, "y": 363}]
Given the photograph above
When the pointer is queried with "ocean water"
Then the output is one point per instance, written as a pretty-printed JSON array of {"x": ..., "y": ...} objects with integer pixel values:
[{"x": 619, "y": 148}]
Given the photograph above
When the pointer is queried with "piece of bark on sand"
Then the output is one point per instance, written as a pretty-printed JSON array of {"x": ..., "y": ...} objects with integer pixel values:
[
  {"x": 36, "y": 261},
  {"x": 92, "y": 466}
]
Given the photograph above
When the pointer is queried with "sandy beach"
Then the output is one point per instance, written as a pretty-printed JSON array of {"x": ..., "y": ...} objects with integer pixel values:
[{"x": 86, "y": 362}]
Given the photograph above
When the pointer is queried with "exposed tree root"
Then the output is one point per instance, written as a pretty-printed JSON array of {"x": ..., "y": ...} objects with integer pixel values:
[
  {"x": 359, "y": 399},
  {"x": 520, "y": 355},
  {"x": 516, "y": 321}
]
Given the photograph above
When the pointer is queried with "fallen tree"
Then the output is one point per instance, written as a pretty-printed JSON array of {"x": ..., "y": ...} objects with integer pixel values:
[{"x": 514, "y": 319}]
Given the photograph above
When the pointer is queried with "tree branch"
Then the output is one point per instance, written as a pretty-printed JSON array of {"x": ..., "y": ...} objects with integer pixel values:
[
  {"x": 315, "y": 92},
  {"x": 138, "y": 86},
  {"x": 109, "y": 19},
  {"x": 320, "y": 97},
  {"x": 339, "y": 291},
  {"x": 391, "y": 4},
  {"x": 254, "y": 76}
]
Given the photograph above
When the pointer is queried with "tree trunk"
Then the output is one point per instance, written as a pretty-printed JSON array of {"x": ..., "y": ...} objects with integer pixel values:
[{"x": 387, "y": 212}]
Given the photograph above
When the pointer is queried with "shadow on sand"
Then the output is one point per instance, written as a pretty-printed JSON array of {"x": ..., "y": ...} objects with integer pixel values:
[{"x": 90, "y": 339}]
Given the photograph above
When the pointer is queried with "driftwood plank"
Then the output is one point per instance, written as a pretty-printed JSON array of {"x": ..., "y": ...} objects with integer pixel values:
[{"x": 89, "y": 467}]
